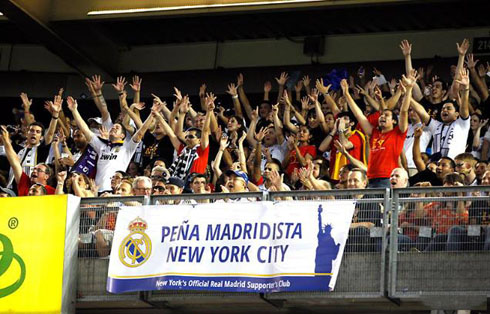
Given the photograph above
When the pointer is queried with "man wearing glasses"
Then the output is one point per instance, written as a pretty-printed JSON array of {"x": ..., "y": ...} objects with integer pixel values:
[
  {"x": 142, "y": 186},
  {"x": 39, "y": 174}
]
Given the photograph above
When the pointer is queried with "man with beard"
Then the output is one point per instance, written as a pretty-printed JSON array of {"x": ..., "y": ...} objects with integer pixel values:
[{"x": 86, "y": 157}]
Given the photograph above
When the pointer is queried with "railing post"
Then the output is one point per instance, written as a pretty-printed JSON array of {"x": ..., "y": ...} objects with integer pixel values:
[
  {"x": 387, "y": 206},
  {"x": 393, "y": 244}
]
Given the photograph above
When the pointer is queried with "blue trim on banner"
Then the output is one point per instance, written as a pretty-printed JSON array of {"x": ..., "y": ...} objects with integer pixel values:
[{"x": 230, "y": 284}]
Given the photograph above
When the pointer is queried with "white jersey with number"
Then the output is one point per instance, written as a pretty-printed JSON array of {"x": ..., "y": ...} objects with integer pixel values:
[{"x": 112, "y": 157}]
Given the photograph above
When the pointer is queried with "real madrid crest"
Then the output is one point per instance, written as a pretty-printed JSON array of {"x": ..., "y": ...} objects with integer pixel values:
[{"x": 135, "y": 249}]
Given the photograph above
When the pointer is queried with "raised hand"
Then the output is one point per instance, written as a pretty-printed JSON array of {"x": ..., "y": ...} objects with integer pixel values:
[
  {"x": 276, "y": 178},
  {"x": 72, "y": 103},
  {"x": 464, "y": 78},
  {"x": 97, "y": 84},
  {"x": 406, "y": 47},
  {"x": 463, "y": 48},
  {"x": 232, "y": 90},
  {"x": 209, "y": 101},
  {"x": 470, "y": 61},
  {"x": 5, "y": 135},
  {"x": 282, "y": 79},
  {"x": 61, "y": 177},
  {"x": 259, "y": 136},
  {"x": 255, "y": 114},
  {"x": 314, "y": 95},
  {"x": 104, "y": 133},
  {"x": 242, "y": 138},
  {"x": 361, "y": 90},
  {"x": 298, "y": 87},
  {"x": 409, "y": 81},
  {"x": 178, "y": 95},
  {"x": 202, "y": 90},
  {"x": 223, "y": 141},
  {"x": 340, "y": 147},
  {"x": 306, "y": 80},
  {"x": 275, "y": 109},
  {"x": 481, "y": 70},
  {"x": 136, "y": 86},
  {"x": 322, "y": 88},
  {"x": 378, "y": 93},
  {"x": 267, "y": 86},
  {"x": 239, "y": 80},
  {"x": 56, "y": 104},
  {"x": 120, "y": 84},
  {"x": 305, "y": 103},
  {"x": 285, "y": 98},
  {"x": 26, "y": 102},
  {"x": 345, "y": 86},
  {"x": 482, "y": 123},
  {"x": 141, "y": 105}
]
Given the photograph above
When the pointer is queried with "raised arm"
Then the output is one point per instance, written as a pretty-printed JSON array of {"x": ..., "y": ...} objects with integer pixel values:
[
  {"x": 416, "y": 154},
  {"x": 462, "y": 49},
  {"x": 356, "y": 162},
  {"x": 420, "y": 110},
  {"x": 318, "y": 110},
  {"x": 277, "y": 124},
  {"x": 329, "y": 100},
  {"x": 407, "y": 82},
  {"x": 11, "y": 155},
  {"x": 138, "y": 136},
  {"x": 26, "y": 105},
  {"x": 95, "y": 87},
  {"x": 464, "y": 82},
  {"x": 168, "y": 130},
  {"x": 287, "y": 113},
  {"x": 73, "y": 107},
  {"x": 243, "y": 97},
  {"x": 136, "y": 86},
  {"x": 54, "y": 109},
  {"x": 233, "y": 92},
  {"x": 406, "y": 48},
  {"x": 361, "y": 118},
  {"x": 206, "y": 131},
  {"x": 252, "y": 127},
  {"x": 281, "y": 81}
]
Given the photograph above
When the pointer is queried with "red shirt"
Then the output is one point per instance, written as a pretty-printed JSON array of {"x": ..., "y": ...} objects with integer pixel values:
[
  {"x": 443, "y": 218},
  {"x": 25, "y": 183},
  {"x": 385, "y": 149},
  {"x": 199, "y": 165},
  {"x": 293, "y": 160}
]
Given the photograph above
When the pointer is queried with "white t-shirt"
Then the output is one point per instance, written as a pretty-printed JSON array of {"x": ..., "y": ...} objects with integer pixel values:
[
  {"x": 408, "y": 145},
  {"x": 449, "y": 140},
  {"x": 111, "y": 159},
  {"x": 277, "y": 151}
]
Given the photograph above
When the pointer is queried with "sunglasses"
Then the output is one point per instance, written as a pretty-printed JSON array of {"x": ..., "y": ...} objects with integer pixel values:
[{"x": 159, "y": 188}]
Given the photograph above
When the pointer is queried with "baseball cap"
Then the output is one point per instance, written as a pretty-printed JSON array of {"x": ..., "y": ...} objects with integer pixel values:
[
  {"x": 8, "y": 191},
  {"x": 176, "y": 181},
  {"x": 98, "y": 120},
  {"x": 238, "y": 173}
]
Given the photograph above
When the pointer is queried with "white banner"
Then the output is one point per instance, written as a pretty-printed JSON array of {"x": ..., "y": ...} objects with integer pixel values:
[{"x": 247, "y": 247}]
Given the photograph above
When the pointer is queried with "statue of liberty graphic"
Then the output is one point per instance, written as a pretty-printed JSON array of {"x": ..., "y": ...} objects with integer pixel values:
[{"x": 326, "y": 250}]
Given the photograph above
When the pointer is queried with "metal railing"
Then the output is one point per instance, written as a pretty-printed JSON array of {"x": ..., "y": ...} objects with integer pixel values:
[{"x": 382, "y": 257}]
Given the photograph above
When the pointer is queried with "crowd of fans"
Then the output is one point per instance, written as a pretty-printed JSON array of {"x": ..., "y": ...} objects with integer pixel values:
[{"x": 338, "y": 132}]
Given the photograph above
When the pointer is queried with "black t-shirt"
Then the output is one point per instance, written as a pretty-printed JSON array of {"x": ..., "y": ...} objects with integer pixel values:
[
  {"x": 479, "y": 213},
  {"x": 434, "y": 110},
  {"x": 154, "y": 148},
  {"x": 368, "y": 212},
  {"x": 425, "y": 176}
]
